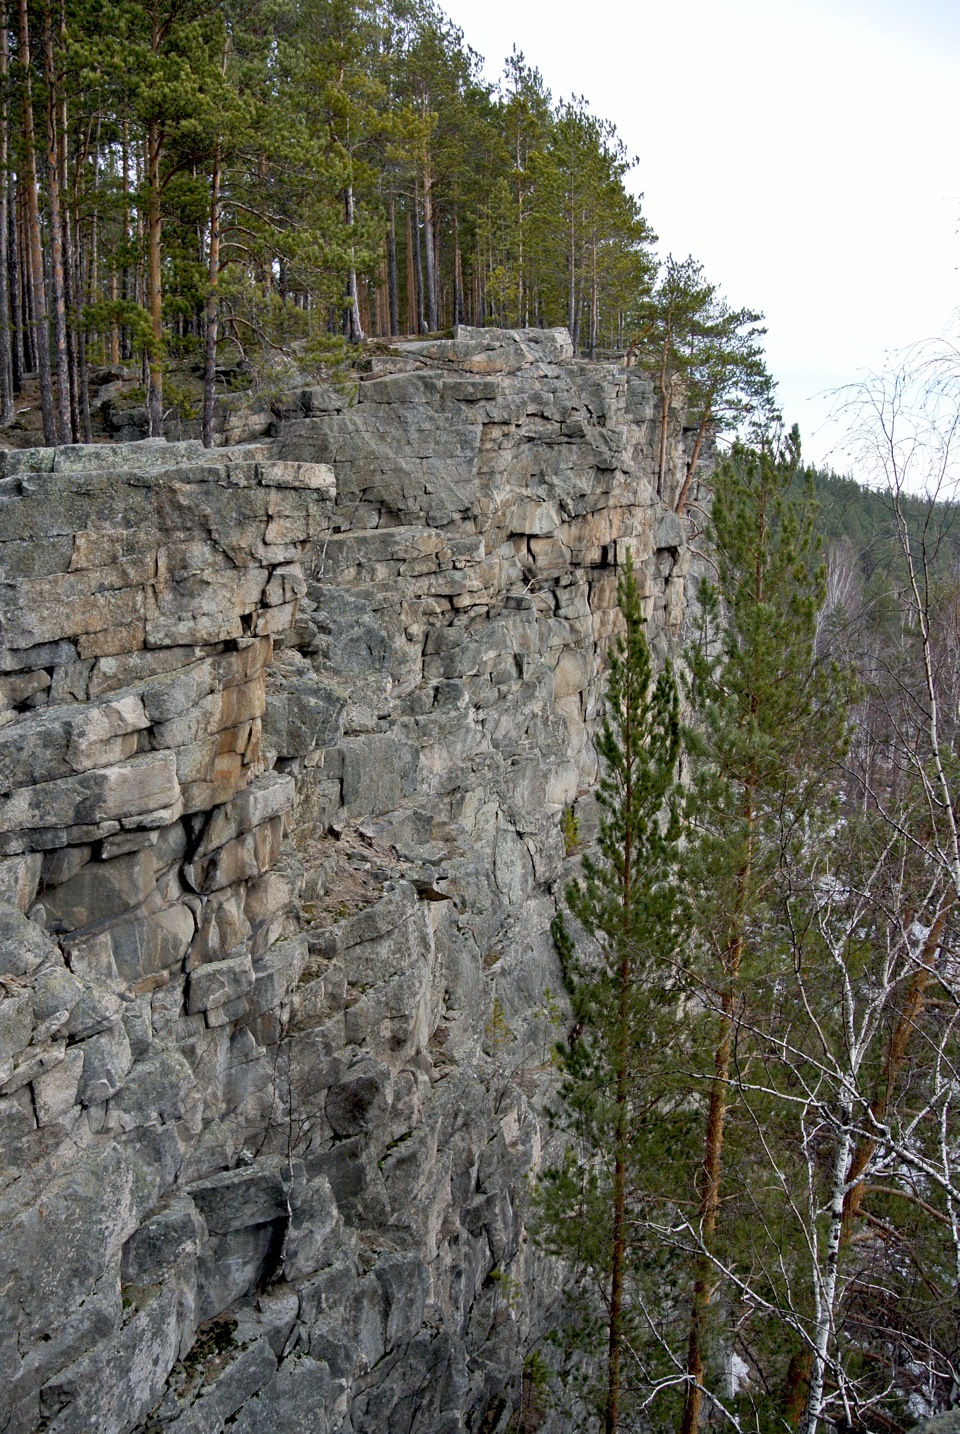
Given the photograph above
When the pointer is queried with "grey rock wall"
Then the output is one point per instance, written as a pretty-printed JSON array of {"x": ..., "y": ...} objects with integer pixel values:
[{"x": 286, "y": 735}]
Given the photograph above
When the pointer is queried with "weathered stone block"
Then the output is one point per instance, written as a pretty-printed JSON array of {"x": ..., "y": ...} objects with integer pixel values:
[
  {"x": 106, "y": 1060},
  {"x": 137, "y": 1017},
  {"x": 24, "y": 947},
  {"x": 17, "y": 1123},
  {"x": 228, "y": 1385},
  {"x": 223, "y": 927},
  {"x": 112, "y": 641},
  {"x": 245, "y": 857},
  {"x": 273, "y": 621},
  {"x": 16, "y": 1024},
  {"x": 64, "y": 605},
  {"x": 142, "y": 784},
  {"x": 212, "y": 714},
  {"x": 277, "y": 972},
  {"x": 114, "y": 1386},
  {"x": 269, "y": 896},
  {"x": 218, "y": 982},
  {"x": 236, "y": 1199},
  {"x": 377, "y": 773},
  {"x": 362, "y": 1099},
  {"x": 100, "y": 891},
  {"x": 318, "y": 477},
  {"x": 55, "y": 991},
  {"x": 158, "y": 1088},
  {"x": 55, "y": 1091},
  {"x": 572, "y": 673},
  {"x": 268, "y": 796},
  {"x": 304, "y": 714},
  {"x": 61, "y": 865},
  {"x": 93, "y": 736},
  {"x": 405, "y": 1282},
  {"x": 20, "y": 686},
  {"x": 19, "y": 880},
  {"x": 32, "y": 1063},
  {"x": 302, "y": 1398},
  {"x": 91, "y": 959},
  {"x": 175, "y": 1230},
  {"x": 145, "y": 945}
]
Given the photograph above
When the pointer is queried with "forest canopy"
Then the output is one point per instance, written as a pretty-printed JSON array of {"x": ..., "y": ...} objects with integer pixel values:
[{"x": 206, "y": 185}]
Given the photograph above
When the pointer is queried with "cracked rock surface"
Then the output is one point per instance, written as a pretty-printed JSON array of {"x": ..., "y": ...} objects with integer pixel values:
[{"x": 287, "y": 731}]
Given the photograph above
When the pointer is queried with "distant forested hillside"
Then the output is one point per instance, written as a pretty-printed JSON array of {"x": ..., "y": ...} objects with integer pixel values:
[
  {"x": 864, "y": 518},
  {"x": 858, "y": 532}
]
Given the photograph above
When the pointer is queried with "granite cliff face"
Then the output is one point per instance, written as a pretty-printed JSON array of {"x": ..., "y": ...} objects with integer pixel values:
[{"x": 287, "y": 732}]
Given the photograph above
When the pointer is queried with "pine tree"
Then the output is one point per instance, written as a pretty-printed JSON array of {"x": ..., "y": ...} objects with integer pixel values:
[
  {"x": 769, "y": 727},
  {"x": 674, "y": 311},
  {"x": 621, "y": 980}
]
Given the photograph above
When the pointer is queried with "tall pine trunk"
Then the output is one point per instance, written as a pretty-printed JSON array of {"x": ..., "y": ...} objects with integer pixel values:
[
  {"x": 457, "y": 272},
  {"x": 39, "y": 318},
  {"x": 126, "y": 347},
  {"x": 85, "y": 282},
  {"x": 15, "y": 283},
  {"x": 57, "y": 285},
  {"x": 154, "y": 279},
  {"x": 392, "y": 267},
  {"x": 429, "y": 245},
  {"x": 712, "y": 1168},
  {"x": 7, "y": 412},
  {"x": 411, "y": 314},
  {"x": 572, "y": 279},
  {"x": 25, "y": 291},
  {"x": 694, "y": 458},
  {"x": 354, "y": 324},
  {"x": 71, "y": 257},
  {"x": 418, "y": 264},
  {"x": 521, "y": 291},
  {"x": 594, "y": 298},
  {"x": 626, "y": 901},
  {"x": 213, "y": 309},
  {"x": 618, "y": 1246}
]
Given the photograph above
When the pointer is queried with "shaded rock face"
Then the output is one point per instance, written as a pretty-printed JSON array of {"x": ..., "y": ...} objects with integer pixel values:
[{"x": 287, "y": 732}]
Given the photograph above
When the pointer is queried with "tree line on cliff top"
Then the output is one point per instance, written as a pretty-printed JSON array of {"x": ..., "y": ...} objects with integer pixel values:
[{"x": 183, "y": 178}]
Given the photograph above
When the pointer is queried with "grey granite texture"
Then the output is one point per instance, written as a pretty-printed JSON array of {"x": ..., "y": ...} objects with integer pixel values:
[{"x": 286, "y": 734}]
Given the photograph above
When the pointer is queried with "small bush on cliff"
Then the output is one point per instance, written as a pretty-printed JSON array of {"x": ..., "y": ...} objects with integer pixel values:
[{"x": 570, "y": 827}]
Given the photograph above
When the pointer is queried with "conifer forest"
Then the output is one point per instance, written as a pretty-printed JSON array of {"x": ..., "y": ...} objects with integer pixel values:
[
  {"x": 751, "y": 1162},
  {"x": 191, "y": 181}
]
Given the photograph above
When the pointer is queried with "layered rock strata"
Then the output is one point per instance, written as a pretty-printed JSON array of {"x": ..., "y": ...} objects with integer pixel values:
[{"x": 286, "y": 735}]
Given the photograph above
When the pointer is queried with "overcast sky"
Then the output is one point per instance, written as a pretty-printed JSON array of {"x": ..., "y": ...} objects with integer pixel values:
[{"x": 806, "y": 152}]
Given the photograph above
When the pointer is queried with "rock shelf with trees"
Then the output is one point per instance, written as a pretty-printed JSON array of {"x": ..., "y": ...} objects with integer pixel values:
[{"x": 196, "y": 192}]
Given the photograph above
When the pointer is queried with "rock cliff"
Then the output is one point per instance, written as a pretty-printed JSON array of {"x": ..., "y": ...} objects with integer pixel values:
[{"x": 286, "y": 734}]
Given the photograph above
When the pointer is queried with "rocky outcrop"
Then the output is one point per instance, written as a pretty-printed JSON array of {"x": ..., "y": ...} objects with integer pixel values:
[{"x": 286, "y": 736}]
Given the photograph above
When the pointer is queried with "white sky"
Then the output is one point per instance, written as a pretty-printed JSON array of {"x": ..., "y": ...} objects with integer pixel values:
[{"x": 805, "y": 152}]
